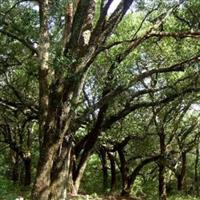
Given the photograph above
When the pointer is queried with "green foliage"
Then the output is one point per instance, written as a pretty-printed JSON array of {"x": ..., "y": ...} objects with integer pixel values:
[
  {"x": 10, "y": 191},
  {"x": 92, "y": 180},
  {"x": 183, "y": 197},
  {"x": 19, "y": 89}
]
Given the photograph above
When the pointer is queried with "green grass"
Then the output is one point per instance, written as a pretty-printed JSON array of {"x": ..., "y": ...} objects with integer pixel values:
[{"x": 10, "y": 191}]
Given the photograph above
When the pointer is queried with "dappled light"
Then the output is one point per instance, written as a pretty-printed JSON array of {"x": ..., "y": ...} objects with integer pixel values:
[{"x": 99, "y": 100}]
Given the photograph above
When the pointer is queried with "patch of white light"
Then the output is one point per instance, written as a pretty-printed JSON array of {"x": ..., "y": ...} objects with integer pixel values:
[
  {"x": 33, "y": 5},
  {"x": 194, "y": 111},
  {"x": 113, "y": 6},
  {"x": 195, "y": 107}
]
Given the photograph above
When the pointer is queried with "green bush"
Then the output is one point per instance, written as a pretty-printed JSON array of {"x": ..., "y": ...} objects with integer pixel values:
[{"x": 10, "y": 190}]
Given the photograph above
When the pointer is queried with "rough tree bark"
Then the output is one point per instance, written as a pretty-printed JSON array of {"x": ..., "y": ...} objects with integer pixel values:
[
  {"x": 58, "y": 99},
  {"x": 60, "y": 172},
  {"x": 42, "y": 182}
]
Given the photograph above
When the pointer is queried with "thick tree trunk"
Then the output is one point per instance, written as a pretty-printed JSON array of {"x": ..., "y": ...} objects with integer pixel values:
[
  {"x": 64, "y": 177},
  {"x": 58, "y": 100},
  {"x": 161, "y": 178},
  {"x": 54, "y": 129},
  {"x": 60, "y": 172},
  {"x": 47, "y": 171},
  {"x": 181, "y": 175},
  {"x": 41, "y": 189}
]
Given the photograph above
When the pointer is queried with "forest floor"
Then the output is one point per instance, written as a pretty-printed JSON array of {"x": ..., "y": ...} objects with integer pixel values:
[
  {"x": 110, "y": 197},
  {"x": 117, "y": 197},
  {"x": 121, "y": 198}
]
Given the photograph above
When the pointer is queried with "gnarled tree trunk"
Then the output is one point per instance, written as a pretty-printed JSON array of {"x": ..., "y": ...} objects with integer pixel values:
[
  {"x": 59, "y": 93},
  {"x": 60, "y": 172}
]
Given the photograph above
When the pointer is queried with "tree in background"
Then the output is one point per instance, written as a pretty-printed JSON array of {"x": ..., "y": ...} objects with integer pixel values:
[{"x": 64, "y": 43}]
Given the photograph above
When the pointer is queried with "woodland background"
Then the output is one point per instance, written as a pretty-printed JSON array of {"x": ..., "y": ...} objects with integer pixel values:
[{"x": 99, "y": 99}]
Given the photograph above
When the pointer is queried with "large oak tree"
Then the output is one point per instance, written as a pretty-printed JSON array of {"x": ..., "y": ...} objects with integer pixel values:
[{"x": 64, "y": 41}]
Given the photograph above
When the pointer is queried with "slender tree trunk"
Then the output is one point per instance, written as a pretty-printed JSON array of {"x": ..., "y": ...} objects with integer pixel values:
[
  {"x": 15, "y": 167},
  {"x": 124, "y": 174},
  {"x": 74, "y": 179},
  {"x": 162, "y": 183},
  {"x": 179, "y": 182},
  {"x": 80, "y": 162},
  {"x": 196, "y": 171},
  {"x": 102, "y": 155},
  {"x": 137, "y": 170},
  {"x": 113, "y": 171},
  {"x": 181, "y": 175},
  {"x": 77, "y": 176},
  {"x": 27, "y": 170},
  {"x": 27, "y": 159}
]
